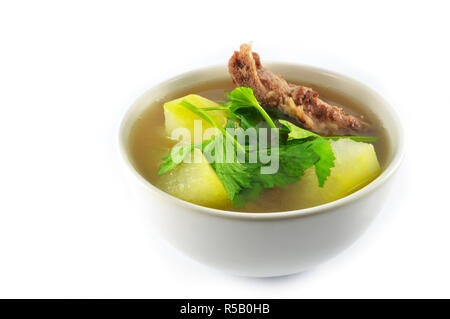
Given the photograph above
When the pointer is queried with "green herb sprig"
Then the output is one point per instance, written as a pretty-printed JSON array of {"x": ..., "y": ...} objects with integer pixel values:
[{"x": 297, "y": 149}]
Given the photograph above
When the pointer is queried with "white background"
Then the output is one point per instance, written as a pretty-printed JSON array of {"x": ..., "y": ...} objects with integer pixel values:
[{"x": 69, "y": 70}]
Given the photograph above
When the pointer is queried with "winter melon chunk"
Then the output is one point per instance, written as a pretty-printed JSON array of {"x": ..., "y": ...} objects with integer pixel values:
[
  {"x": 356, "y": 165},
  {"x": 177, "y": 116},
  {"x": 196, "y": 183}
]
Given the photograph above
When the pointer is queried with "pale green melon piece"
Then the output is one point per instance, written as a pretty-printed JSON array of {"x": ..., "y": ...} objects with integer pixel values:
[
  {"x": 177, "y": 116},
  {"x": 356, "y": 165},
  {"x": 196, "y": 183}
]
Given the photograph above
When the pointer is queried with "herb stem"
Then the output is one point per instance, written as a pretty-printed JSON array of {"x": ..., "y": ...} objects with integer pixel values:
[
  {"x": 366, "y": 139},
  {"x": 215, "y": 108},
  {"x": 265, "y": 116},
  {"x": 200, "y": 112}
]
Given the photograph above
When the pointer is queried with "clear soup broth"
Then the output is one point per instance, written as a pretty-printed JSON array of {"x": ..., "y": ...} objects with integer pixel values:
[{"x": 149, "y": 143}]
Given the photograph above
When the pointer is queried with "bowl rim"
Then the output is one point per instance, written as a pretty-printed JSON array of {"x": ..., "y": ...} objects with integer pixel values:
[{"x": 385, "y": 175}]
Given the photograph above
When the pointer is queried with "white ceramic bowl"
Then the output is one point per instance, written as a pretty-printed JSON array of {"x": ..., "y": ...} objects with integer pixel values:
[{"x": 268, "y": 244}]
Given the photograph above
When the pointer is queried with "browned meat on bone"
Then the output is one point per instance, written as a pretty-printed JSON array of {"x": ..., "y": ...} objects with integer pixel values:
[{"x": 296, "y": 101}]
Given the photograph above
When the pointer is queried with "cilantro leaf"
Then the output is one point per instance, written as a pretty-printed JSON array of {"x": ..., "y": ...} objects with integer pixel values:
[
  {"x": 295, "y": 132},
  {"x": 243, "y": 98},
  {"x": 180, "y": 152},
  {"x": 247, "y": 117},
  {"x": 234, "y": 176},
  {"x": 168, "y": 164},
  {"x": 322, "y": 148},
  {"x": 294, "y": 159}
]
